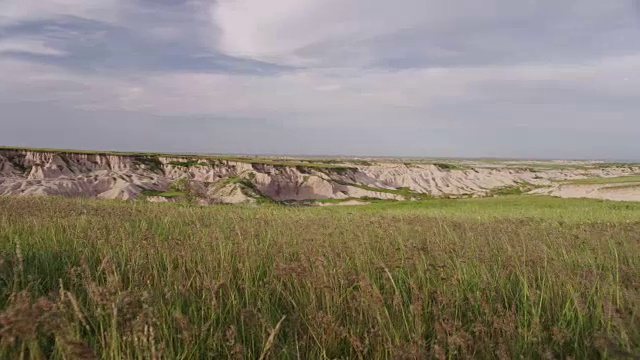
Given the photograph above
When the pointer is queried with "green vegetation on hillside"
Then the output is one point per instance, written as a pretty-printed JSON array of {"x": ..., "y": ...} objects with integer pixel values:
[
  {"x": 150, "y": 162},
  {"x": 449, "y": 166},
  {"x": 404, "y": 192},
  {"x": 605, "y": 180},
  {"x": 506, "y": 277},
  {"x": 190, "y": 163},
  {"x": 166, "y": 194},
  {"x": 624, "y": 186},
  {"x": 151, "y": 159},
  {"x": 519, "y": 189},
  {"x": 246, "y": 186}
]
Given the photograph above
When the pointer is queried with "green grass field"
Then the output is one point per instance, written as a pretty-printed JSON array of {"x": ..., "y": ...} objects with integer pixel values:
[
  {"x": 506, "y": 277},
  {"x": 624, "y": 186},
  {"x": 603, "y": 180}
]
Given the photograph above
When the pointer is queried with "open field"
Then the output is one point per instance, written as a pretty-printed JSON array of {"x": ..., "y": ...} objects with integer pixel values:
[
  {"x": 607, "y": 180},
  {"x": 505, "y": 277}
]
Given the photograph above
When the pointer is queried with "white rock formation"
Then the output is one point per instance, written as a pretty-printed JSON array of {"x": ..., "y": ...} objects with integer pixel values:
[{"x": 125, "y": 177}]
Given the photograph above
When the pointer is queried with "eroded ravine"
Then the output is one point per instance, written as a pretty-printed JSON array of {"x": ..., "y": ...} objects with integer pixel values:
[{"x": 209, "y": 180}]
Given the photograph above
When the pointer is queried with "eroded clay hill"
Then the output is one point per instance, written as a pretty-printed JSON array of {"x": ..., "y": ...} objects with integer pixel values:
[{"x": 210, "y": 180}]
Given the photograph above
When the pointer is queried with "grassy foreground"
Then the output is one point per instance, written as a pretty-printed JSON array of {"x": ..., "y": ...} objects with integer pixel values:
[{"x": 505, "y": 278}]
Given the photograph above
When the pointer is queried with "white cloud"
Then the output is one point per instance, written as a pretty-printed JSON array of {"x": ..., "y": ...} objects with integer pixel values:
[
  {"x": 337, "y": 32},
  {"x": 28, "y": 46},
  {"x": 16, "y": 11},
  {"x": 281, "y": 30},
  {"x": 348, "y": 97},
  {"x": 468, "y": 64}
]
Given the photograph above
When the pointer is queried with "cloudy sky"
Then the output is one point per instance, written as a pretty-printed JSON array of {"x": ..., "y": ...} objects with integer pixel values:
[{"x": 464, "y": 78}]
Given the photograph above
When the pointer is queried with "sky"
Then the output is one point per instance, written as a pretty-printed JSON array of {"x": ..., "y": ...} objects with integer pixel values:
[{"x": 428, "y": 78}]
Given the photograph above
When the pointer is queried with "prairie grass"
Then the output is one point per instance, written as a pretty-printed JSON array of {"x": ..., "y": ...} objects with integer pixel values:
[
  {"x": 403, "y": 192},
  {"x": 606, "y": 180},
  {"x": 514, "y": 277},
  {"x": 625, "y": 186},
  {"x": 166, "y": 194}
]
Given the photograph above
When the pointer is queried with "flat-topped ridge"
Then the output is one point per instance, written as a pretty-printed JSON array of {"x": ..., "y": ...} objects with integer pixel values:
[{"x": 236, "y": 179}]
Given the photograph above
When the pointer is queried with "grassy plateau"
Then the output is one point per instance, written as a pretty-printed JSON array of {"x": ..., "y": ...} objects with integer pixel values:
[
  {"x": 507, "y": 277},
  {"x": 605, "y": 180}
]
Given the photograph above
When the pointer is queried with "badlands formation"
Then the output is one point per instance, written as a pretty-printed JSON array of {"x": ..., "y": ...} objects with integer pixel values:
[{"x": 210, "y": 180}]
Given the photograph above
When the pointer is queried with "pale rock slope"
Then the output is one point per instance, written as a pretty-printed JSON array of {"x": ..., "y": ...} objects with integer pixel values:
[
  {"x": 208, "y": 180},
  {"x": 619, "y": 192}
]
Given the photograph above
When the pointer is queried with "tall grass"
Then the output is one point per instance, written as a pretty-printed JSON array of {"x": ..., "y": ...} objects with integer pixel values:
[{"x": 115, "y": 280}]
